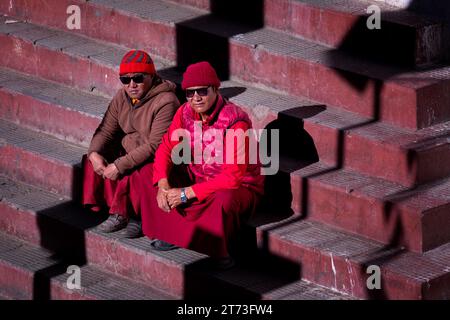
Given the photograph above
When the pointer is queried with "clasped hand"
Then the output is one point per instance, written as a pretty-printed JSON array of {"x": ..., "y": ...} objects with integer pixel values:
[
  {"x": 102, "y": 168},
  {"x": 168, "y": 198}
]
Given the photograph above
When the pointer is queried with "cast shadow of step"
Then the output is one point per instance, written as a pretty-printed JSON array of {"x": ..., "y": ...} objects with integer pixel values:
[
  {"x": 376, "y": 46},
  {"x": 194, "y": 45},
  {"x": 296, "y": 150},
  {"x": 59, "y": 235}
]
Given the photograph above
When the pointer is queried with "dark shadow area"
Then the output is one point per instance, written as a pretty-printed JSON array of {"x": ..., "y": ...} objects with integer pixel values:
[
  {"x": 277, "y": 202},
  {"x": 296, "y": 150},
  {"x": 250, "y": 12},
  {"x": 394, "y": 50},
  {"x": 392, "y": 43},
  {"x": 227, "y": 19},
  {"x": 231, "y": 92},
  {"x": 42, "y": 278},
  {"x": 438, "y": 9},
  {"x": 77, "y": 181},
  {"x": 62, "y": 232},
  {"x": 254, "y": 275}
]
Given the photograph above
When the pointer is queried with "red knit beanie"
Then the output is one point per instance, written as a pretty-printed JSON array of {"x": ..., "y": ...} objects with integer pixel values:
[
  {"x": 137, "y": 61},
  {"x": 200, "y": 74}
]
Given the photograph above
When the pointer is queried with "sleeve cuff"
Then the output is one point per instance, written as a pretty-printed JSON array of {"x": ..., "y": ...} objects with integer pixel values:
[
  {"x": 121, "y": 165},
  {"x": 198, "y": 192}
]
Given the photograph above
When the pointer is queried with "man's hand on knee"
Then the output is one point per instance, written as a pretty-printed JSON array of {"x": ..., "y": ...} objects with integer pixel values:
[
  {"x": 111, "y": 172},
  {"x": 98, "y": 163},
  {"x": 161, "y": 198}
]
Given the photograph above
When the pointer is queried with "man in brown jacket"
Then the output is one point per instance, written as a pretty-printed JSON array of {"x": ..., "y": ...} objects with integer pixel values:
[{"x": 118, "y": 168}]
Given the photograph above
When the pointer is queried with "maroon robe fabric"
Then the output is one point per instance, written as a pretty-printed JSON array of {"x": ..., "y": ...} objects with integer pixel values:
[
  {"x": 122, "y": 196},
  {"x": 208, "y": 226}
]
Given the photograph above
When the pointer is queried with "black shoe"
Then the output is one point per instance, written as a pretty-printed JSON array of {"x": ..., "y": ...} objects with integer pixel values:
[
  {"x": 133, "y": 230},
  {"x": 162, "y": 245},
  {"x": 225, "y": 263}
]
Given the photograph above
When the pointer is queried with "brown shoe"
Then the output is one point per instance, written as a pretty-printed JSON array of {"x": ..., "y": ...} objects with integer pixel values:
[{"x": 115, "y": 222}]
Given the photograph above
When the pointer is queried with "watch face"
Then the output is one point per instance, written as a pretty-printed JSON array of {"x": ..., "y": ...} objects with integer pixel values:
[{"x": 183, "y": 196}]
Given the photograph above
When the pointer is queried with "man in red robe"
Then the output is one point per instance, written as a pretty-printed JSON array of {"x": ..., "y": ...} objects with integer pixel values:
[
  {"x": 120, "y": 155},
  {"x": 202, "y": 204}
]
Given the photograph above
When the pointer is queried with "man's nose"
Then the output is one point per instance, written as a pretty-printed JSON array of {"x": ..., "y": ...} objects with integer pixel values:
[{"x": 197, "y": 96}]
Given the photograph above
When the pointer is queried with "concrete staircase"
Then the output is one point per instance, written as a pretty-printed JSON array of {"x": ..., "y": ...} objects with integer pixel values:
[{"x": 367, "y": 182}]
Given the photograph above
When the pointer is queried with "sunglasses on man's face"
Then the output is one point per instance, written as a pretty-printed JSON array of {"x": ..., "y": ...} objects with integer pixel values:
[
  {"x": 136, "y": 79},
  {"x": 202, "y": 92}
]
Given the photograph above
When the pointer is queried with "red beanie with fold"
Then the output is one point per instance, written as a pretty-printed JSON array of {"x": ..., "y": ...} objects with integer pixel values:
[
  {"x": 200, "y": 74},
  {"x": 137, "y": 61}
]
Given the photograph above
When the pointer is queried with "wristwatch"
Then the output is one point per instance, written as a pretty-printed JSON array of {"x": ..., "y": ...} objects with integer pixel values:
[{"x": 184, "y": 199}]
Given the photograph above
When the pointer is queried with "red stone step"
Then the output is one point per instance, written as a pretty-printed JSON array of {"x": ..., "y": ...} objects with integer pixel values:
[
  {"x": 50, "y": 163},
  {"x": 407, "y": 38},
  {"x": 339, "y": 260},
  {"x": 63, "y": 57},
  {"x": 199, "y": 4},
  {"x": 50, "y": 107},
  {"x": 417, "y": 218},
  {"x": 59, "y": 226},
  {"x": 263, "y": 56},
  {"x": 404, "y": 37},
  {"x": 373, "y": 148},
  {"x": 153, "y": 24},
  {"x": 39, "y": 159},
  {"x": 302, "y": 68},
  {"x": 340, "y": 137},
  {"x": 29, "y": 272}
]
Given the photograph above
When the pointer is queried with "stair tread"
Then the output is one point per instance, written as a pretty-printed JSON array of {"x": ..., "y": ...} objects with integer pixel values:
[
  {"x": 50, "y": 92},
  {"x": 335, "y": 243},
  {"x": 71, "y": 43},
  {"x": 343, "y": 178},
  {"x": 422, "y": 198},
  {"x": 330, "y": 242},
  {"x": 260, "y": 102},
  {"x": 314, "y": 235},
  {"x": 94, "y": 282},
  {"x": 154, "y": 10},
  {"x": 40, "y": 202},
  {"x": 43, "y": 144},
  {"x": 111, "y": 54},
  {"x": 272, "y": 40},
  {"x": 359, "y": 7},
  {"x": 284, "y": 44}
]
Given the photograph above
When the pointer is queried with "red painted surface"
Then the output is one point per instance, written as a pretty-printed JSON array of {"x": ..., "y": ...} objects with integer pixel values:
[
  {"x": 344, "y": 274},
  {"x": 132, "y": 263},
  {"x": 398, "y": 102},
  {"x": 16, "y": 282},
  {"x": 67, "y": 124},
  {"x": 407, "y": 102},
  {"x": 34, "y": 169},
  {"x": 350, "y": 209},
  {"x": 106, "y": 253}
]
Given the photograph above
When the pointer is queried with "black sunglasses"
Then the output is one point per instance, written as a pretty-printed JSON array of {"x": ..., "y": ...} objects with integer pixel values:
[
  {"x": 136, "y": 79},
  {"x": 202, "y": 92}
]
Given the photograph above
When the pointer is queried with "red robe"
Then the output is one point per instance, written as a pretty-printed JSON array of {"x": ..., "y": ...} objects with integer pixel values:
[
  {"x": 122, "y": 196},
  {"x": 210, "y": 223}
]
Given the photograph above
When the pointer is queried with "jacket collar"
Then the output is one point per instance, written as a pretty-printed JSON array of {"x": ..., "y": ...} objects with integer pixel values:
[{"x": 158, "y": 86}]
